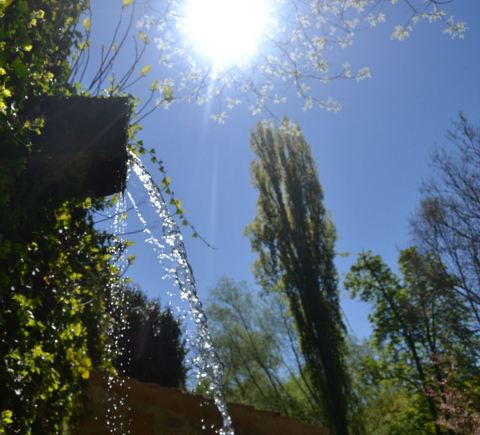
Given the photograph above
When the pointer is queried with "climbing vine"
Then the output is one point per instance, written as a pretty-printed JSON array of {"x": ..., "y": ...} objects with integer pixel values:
[{"x": 57, "y": 272}]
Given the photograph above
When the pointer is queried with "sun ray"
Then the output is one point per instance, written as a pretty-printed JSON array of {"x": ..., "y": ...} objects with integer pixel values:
[{"x": 226, "y": 30}]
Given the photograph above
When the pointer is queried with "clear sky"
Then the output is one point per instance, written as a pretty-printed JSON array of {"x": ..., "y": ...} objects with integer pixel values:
[{"x": 372, "y": 155}]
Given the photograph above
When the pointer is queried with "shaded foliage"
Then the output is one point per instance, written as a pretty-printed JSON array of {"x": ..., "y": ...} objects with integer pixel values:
[
  {"x": 258, "y": 344},
  {"x": 151, "y": 342}
]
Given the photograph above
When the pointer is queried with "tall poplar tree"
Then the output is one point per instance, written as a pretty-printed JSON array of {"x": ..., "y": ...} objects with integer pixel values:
[{"x": 294, "y": 239}]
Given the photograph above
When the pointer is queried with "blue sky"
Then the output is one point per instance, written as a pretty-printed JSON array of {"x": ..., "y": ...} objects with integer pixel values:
[{"x": 372, "y": 155}]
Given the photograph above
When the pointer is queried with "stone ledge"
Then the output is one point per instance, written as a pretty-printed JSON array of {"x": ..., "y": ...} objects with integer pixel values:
[
  {"x": 82, "y": 148},
  {"x": 143, "y": 409}
]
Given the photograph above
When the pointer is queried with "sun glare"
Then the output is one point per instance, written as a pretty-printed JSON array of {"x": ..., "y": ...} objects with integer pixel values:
[{"x": 226, "y": 30}]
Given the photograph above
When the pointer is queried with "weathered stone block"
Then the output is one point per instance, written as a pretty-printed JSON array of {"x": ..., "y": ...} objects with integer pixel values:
[{"x": 82, "y": 150}]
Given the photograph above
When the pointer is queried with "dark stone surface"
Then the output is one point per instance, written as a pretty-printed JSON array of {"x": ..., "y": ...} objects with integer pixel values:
[{"x": 82, "y": 150}]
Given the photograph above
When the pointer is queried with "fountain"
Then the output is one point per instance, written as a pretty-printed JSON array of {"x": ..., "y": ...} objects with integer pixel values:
[
  {"x": 177, "y": 266},
  {"x": 82, "y": 152}
]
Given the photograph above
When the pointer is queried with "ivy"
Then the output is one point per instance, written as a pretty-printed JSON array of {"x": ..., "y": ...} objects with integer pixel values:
[{"x": 57, "y": 272}]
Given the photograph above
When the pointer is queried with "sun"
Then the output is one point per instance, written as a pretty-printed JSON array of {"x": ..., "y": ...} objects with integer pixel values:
[{"x": 226, "y": 30}]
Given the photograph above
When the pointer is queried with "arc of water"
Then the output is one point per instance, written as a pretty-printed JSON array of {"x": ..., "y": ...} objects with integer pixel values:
[{"x": 183, "y": 275}]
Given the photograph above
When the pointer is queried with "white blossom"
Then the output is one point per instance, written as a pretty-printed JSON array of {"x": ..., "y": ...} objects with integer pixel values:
[
  {"x": 401, "y": 32},
  {"x": 220, "y": 118},
  {"x": 292, "y": 51},
  {"x": 375, "y": 19},
  {"x": 363, "y": 73}
]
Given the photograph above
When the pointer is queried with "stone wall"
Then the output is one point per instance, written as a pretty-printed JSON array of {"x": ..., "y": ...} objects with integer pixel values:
[{"x": 148, "y": 409}]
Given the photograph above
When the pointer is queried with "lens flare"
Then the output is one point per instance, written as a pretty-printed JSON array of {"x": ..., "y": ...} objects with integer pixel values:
[{"x": 226, "y": 30}]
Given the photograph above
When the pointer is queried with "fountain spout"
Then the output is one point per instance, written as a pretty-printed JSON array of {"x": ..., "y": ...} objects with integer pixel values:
[{"x": 82, "y": 148}]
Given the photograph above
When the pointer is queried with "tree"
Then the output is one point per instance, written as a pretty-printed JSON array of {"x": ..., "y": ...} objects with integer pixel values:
[
  {"x": 258, "y": 344},
  {"x": 448, "y": 219},
  {"x": 294, "y": 239},
  {"x": 291, "y": 50},
  {"x": 152, "y": 349},
  {"x": 415, "y": 319}
]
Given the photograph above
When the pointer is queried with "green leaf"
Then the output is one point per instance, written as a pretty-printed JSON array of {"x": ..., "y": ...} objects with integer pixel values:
[
  {"x": 86, "y": 24},
  {"x": 127, "y": 3},
  {"x": 14, "y": 355},
  {"x": 143, "y": 37},
  {"x": 21, "y": 69},
  {"x": 7, "y": 414},
  {"x": 145, "y": 70},
  {"x": 154, "y": 85},
  {"x": 176, "y": 202},
  {"x": 31, "y": 322},
  {"x": 168, "y": 93},
  {"x": 23, "y": 7},
  {"x": 166, "y": 182}
]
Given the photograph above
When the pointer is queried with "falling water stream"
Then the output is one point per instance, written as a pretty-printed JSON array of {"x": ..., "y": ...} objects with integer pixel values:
[
  {"x": 116, "y": 401},
  {"x": 173, "y": 259}
]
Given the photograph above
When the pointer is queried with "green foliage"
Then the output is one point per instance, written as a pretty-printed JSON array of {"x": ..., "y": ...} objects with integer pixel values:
[
  {"x": 414, "y": 318},
  {"x": 53, "y": 323},
  {"x": 258, "y": 344},
  {"x": 294, "y": 239},
  {"x": 385, "y": 407},
  {"x": 151, "y": 342},
  {"x": 56, "y": 270}
]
